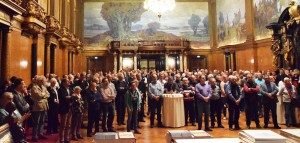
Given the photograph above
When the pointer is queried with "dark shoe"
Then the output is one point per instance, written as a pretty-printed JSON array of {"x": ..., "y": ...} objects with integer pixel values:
[
  {"x": 258, "y": 126},
  {"x": 151, "y": 126},
  {"x": 43, "y": 137},
  {"x": 248, "y": 127},
  {"x": 89, "y": 135},
  {"x": 237, "y": 128},
  {"x": 35, "y": 140},
  {"x": 208, "y": 129},
  {"x": 193, "y": 124},
  {"x": 220, "y": 126},
  {"x": 67, "y": 141},
  {"x": 288, "y": 125},
  {"x": 104, "y": 130},
  {"x": 137, "y": 132},
  {"x": 212, "y": 126},
  {"x": 277, "y": 127},
  {"x": 79, "y": 136},
  {"x": 265, "y": 126},
  {"x": 295, "y": 125},
  {"x": 74, "y": 138},
  {"x": 160, "y": 126}
]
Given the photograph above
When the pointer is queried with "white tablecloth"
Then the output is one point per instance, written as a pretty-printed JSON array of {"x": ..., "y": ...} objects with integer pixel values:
[
  {"x": 216, "y": 140},
  {"x": 173, "y": 110}
]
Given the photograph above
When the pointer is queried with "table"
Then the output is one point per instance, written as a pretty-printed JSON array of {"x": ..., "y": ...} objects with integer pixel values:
[
  {"x": 173, "y": 110},
  {"x": 216, "y": 140}
]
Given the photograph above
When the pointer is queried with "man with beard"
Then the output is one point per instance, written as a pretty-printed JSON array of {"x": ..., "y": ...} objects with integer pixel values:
[
  {"x": 251, "y": 98},
  {"x": 121, "y": 87}
]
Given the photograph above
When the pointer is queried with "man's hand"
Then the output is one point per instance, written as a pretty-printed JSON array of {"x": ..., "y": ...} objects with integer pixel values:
[
  {"x": 270, "y": 96},
  {"x": 237, "y": 102},
  {"x": 205, "y": 99}
]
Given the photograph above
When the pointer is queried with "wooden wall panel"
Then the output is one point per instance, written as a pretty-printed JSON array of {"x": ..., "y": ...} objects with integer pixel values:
[
  {"x": 216, "y": 61},
  {"x": 58, "y": 61},
  {"x": 109, "y": 63},
  {"x": 21, "y": 52},
  {"x": 264, "y": 58},
  {"x": 243, "y": 59}
]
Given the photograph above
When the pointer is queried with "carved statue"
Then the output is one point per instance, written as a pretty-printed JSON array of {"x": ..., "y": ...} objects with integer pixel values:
[
  {"x": 276, "y": 50},
  {"x": 288, "y": 51},
  {"x": 31, "y": 9}
]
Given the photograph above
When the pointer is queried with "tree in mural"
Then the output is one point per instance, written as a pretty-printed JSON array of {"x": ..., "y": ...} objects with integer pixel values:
[
  {"x": 153, "y": 27},
  {"x": 194, "y": 22},
  {"x": 221, "y": 26},
  {"x": 206, "y": 24},
  {"x": 120, "y": 16}
]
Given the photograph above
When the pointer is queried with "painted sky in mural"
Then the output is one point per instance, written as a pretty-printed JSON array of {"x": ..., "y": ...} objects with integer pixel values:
[
  {"x": 265, "y": 12},
  {"x": 231, "y": 22},
  {"x": 106, "y": 21}
]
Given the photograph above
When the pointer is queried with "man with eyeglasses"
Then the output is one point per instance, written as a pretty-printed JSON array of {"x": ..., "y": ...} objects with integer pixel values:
[{"x": 203, "y": 94}]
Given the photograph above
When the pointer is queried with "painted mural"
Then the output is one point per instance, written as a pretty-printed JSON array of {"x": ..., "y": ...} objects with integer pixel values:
[
  {"x": 231, "y": 22},
  {"x": 107, "y": 21},
  {"x": 265, "y": 12}
]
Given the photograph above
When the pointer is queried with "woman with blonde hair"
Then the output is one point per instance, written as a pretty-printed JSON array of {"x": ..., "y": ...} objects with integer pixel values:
[{"x": 77, "y": 113}]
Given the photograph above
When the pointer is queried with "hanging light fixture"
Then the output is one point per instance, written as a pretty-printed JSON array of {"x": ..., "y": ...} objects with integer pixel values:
[{"x": 159, "y": 6}]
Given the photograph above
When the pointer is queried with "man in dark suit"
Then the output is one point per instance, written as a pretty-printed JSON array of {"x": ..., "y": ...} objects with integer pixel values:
[
  {"x": 64, "y": 97},
  {"x": 19, "y": 100},
  {"x": 121, "y": 87},
  {"x": 143, "y": 88},
  {"x": 53, "y": 103},
  {"x": 269, "y": 91}
]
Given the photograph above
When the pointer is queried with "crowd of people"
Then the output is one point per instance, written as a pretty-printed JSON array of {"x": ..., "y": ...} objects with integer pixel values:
[{"x": 98, "y": 95}]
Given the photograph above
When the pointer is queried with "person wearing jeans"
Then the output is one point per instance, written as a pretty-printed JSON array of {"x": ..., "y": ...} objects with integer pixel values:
[{"x": 39, "y": 95}]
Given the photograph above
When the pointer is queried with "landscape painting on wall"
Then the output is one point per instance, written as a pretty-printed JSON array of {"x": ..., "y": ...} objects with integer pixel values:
[
  {"x": 231, "y": 22},
  {"x": 266, "y": 12},
  {"x": 107, "y": 21}
]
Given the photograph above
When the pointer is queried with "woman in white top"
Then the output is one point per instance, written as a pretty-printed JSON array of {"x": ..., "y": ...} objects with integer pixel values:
[{"x": 287, "y": 94}]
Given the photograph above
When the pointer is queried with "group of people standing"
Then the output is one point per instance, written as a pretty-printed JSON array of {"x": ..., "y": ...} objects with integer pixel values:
[{"x": 100, "y": 94}]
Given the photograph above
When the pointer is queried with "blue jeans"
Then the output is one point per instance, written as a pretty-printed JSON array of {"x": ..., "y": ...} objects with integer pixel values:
[
  {"x": 203, "y": 107},
  {"x": 38, "y": 123}
]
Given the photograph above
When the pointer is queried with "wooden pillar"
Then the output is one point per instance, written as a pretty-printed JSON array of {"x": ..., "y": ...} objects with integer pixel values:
[
  {"x": 185, "y": 61},
  {"x": 115, "y": 62},
  {"x": 167, "y": 61},
  {"x": 34, "y": 56},
  {"x": 135, "y": 61},
  {"x": 120, "y": 61},
  {"x": 47, "y": 58},
  {"x": 7, "y": 53},
  {"x": 181, "y": 62}
]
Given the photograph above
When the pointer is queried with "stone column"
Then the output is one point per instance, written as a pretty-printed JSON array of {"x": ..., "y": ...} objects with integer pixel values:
[
  {"x": 167, "y": 61},
  {"x": 115, "y": 62},
  {"x": 181, "y": 62},
  {"x": 121, "y": 61},
  {"x": 135, "y": 61}
]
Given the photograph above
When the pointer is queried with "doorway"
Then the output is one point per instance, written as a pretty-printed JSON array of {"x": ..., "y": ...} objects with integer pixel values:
[{"x": 151, "y": 62}]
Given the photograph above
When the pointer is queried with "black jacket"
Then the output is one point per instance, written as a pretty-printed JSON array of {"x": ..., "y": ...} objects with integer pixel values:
[
  {"x": 53, "y": 96},
  {"x": 64, "y": 103}
]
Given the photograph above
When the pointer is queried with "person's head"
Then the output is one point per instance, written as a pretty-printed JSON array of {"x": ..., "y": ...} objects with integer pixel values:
[
  {"x": 185, "y": 81},
  {"x": 52, "y": 82},
  {"x": 109, "y": 77},
  {"x": 212, "y": 81},
  {"x": 93, "y": 86},
  {"x": 154, "y": 78},
  {"x": 287, "y": 82},
  {"x": 170, "y": 79},
  {"x": 249, "y": 77},
  {"x": 65, "y": 82},
  {"x": 120, "y": 76},
  {"x": 139, "y": 76},
  {"x": 105, "y": 82},
  {"x": 233, "y": 79},
  {"x": 41, "y": 80},
  {"x": 133, "y": 85},
  {"x": 19, "y": 85},
  {"x": 202, "y": 79},
  {"x": 224, "y": 78},
  {"x": 259, "y": 75},
  {"x": 161, "y": 76},
  {"x": 177, "y": 77},
  {"x": 6, "y": 98},
  {"x": 77, "y": 89},
  {"x": 281, "y": 71},
  {"x": 267, "y": 79}
]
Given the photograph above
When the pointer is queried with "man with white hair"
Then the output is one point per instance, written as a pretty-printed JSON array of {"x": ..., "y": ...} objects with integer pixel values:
[
  {"x": 39, "y": 95},
  {"x": 235, "y": 96}
]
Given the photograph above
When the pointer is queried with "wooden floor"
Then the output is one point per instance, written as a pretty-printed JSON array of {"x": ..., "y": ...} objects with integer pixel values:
[{"x": 158, "y": 135}]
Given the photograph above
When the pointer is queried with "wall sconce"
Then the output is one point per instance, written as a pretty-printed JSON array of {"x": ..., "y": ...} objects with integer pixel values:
[
  {"x": 23, "y": 64},
  {"x": 39, "y": 63},
  {"x": 252, "y": 61},
  {"x": 96, "y": 58}
]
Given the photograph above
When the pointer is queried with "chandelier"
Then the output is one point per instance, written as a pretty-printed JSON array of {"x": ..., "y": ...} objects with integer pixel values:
[{"x": 159, "y": 6}]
